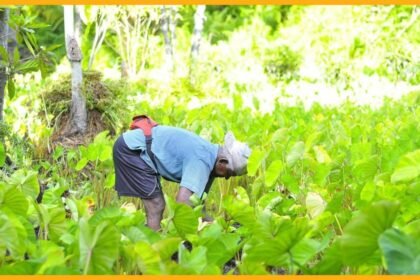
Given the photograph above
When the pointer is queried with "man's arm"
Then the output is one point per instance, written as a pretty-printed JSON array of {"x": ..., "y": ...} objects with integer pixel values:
[{"x": 184, "y": 195}]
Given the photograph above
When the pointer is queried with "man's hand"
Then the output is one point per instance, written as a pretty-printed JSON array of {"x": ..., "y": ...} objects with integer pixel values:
[{"x": 184, "y": 196}]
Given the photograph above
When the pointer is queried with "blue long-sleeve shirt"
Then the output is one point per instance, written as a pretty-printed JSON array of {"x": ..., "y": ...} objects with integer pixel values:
[{"x": 181, "y": 156}]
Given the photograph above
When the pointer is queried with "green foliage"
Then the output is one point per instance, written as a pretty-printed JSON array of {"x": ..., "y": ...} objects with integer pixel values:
[
  {"x": 2, "y": 155},
  {"x": 360, "y": 238},
  {"x": 314, "y": 203},
  {"x": 222, "y": 20},
  {"x": 97, "y": 247},
  {"x": 408, "y": 168},
  {"x": 282, "y": 63},
  {"x": 330, "y": 189},
  {"x": 40, "y": 58},
  {"x": 184, "y": 218},
  {"x": 26, "y": 181},
  {"x": 254, "y": 161},
  {"x": 13, "y": 200},
  {"x": 105, "y": 97},
  {"x": 53, "y": 35},
  {"x": 273, "y": 172},
  {"x": 402, "y": 252}
]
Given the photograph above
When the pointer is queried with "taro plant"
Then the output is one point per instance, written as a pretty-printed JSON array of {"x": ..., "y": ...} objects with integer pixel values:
[{"x": 97, "y": 158}]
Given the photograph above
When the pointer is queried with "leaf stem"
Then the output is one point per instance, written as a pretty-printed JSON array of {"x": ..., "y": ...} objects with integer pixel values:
[
  {"x": 338, "y": 223},
  {"x": 89, "y": 256}
]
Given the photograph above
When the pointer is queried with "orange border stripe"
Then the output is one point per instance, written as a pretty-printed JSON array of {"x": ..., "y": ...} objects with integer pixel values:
[
  {"x": 209, "y": 2},
  {"x": 211, "y": 277}
]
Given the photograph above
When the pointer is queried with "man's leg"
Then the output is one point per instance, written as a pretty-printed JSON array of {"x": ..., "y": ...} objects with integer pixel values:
[
  {"x": 184, "y": 196},
  {"x": 154, "y": 210}
]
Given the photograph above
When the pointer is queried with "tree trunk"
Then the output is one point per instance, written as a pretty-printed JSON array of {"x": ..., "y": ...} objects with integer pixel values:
[
  {"x": 78, "y": 113},
  {"x": 196, "y": 39},
  {"x": 78, "y": 25},
  {"x": 165, "y": 27},
  {"x": 4, "y": 34},
  {"x": 198, "y": 29},
  {"x": 172, "y": 26}
]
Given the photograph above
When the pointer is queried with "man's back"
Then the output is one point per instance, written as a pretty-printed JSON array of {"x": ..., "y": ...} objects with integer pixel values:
[{"x": 181, "y": 156}]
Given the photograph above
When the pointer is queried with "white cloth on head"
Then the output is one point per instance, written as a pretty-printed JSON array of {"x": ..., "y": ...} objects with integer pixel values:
[{"x": 237, "y": 154}]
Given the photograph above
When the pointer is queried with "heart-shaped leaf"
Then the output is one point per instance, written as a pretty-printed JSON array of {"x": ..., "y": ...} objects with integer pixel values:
[
  {"x": 408, "y": 168},
  {"x": 97, "y": 245},
  {"x": 401, "y": 251},
  {"x": 360, "y": 239}
]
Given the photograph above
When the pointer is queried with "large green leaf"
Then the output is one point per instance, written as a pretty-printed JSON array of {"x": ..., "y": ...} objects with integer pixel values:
[
  {"x": 360, "y": 238},
  {"x": 360, "y": 151},
  {"x": 8, "y": 234},
  {"x": 296, "y": 153},
  {"x": 304, "y": 251},
  {"x": 98, "y": 247},
  {"x": 408, "y": 168},
  {"x": 49, "y": 255},
  {"x": 291, "y": 233},
  {"x": 321, "y": 154},
  {"x": 52, "y": 221},
  {"x": 252, "y": 268},
  {"x": 147, "y": 258},
  {"x": 221, "y": 246},
  {"x": 413, "y": 228},
  {"x": 167, "y": 247},
  {"x": 365, "y": 169},
  {"x": 53, "y": 195},
  {"x": 315, "y": 205},
  {"x": 368, "y": 191},
  {"x": 216, "y": 252},
  {"x": 57, "y": 224},
  {"x": 27, "y": 181},
  {"x": 111, "y": 214},
  {"x": 239, "y": 211},
  {"x": 142, "y": 233},
  {"x": 330, "y": 263},
  {"x": 280, "y": 135},
  {"x": 183, "y": 217},
  {"x": 185, "y": 220},
  {"x": 272, "y": 246},
  {"x": 401, "y": 252},
  {"x": 268, "y": 252},
  {"x": 14, "y": 200},
  {"x": 273, "y": 172},
  {"x": 267, "y": 224},
  {"x": 12, "y": 235},
  {"x": 30, "y": 236},
  {"x": 270, "y": 200},
  {"x": 254, "y": 161},
  {"x": 321, "y": 173},
  {"x": 195, "y": 260},
  {"x": 19, "y": 268}
]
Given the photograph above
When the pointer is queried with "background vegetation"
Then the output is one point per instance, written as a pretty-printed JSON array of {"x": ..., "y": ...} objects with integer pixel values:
[{"x": 327, "y": 98}]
